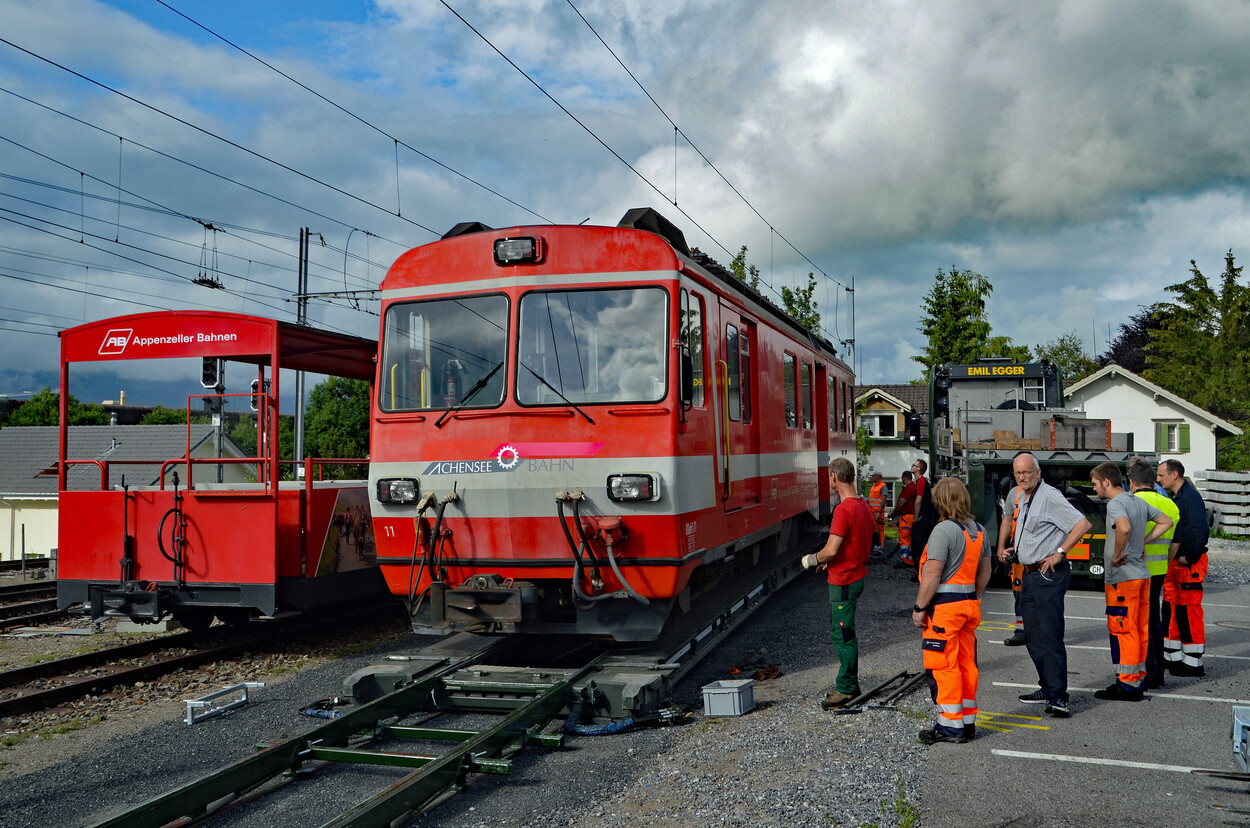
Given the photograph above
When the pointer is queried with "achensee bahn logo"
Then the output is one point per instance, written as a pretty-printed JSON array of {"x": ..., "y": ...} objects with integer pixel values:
[{"x": 116, "y": 340}]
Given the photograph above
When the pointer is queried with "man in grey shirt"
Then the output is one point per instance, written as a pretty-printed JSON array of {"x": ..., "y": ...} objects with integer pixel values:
[
  {"x": 1046, "y": 529},
  {"x": 1127, "y": 580}
]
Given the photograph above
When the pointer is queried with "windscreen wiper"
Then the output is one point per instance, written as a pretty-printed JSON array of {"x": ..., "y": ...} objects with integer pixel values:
[
  {"x": 540, "y": 378},
  {"x": 463, "y": 401}
]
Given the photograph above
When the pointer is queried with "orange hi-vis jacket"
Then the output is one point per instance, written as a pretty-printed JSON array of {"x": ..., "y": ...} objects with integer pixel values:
[
  {"x": 950, "y": 642},
  {"x": 876, "y": 502}
]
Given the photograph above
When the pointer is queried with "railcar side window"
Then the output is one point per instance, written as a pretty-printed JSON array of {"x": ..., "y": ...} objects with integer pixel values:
[
  {"x": 734, "y": 390},
  {"x": 435, "y": 354},
  {"x": 791, "y": 414},
  {"x": 744, "y": 370},
  {"x": 805, "y": 383},
  {"x": 593, "y": 346},
  {"x": 692, "y": 337}
]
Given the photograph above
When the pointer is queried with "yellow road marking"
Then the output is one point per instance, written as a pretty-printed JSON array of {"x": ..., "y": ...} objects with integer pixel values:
[{"x": 997, "y": 721}]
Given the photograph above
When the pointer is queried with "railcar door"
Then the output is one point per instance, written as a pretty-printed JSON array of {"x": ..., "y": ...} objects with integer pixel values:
[{"x": 736, "y": 357}]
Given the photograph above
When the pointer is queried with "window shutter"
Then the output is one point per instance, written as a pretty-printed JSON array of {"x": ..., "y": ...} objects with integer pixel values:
[
  {"x": 1160, "y": 445},
  {"x": 1183, "y": 437}
]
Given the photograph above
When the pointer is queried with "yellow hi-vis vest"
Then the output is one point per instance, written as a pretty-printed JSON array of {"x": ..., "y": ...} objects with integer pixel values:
[{"x": 1157, "y": 553}]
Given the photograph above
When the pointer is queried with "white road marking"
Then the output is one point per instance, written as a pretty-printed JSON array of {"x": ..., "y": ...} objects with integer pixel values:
[
  {"x": 1089, "y": 760},
  {"x": 1101, "y": 598},
  {"x": 1149, "y": 693},
  {"x": 1108, "y": 649}
]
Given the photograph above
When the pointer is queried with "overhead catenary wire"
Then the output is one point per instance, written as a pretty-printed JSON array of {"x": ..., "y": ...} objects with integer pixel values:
[
  {"x": 679, "y": 131},
  {"x": 606, "y": 146},
  {"x": 221, "y": 138},
  {"x": 151, "y": 205},
  {"x": 397, "y": 142},
  {"x": 205, "y": 170}
]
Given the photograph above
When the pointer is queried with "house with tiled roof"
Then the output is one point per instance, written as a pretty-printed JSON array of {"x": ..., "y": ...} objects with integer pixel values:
[
  {"x": 1159, "y": 420},
  {"x": 896, "y": 416},
  {"x": 28, "y": 471}
]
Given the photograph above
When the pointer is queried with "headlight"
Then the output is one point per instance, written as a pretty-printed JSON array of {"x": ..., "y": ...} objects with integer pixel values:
[
  {"x": 518, "y": 250},
  {"x": 634, "y": 487},
  {"x": 397, "y": 490}
]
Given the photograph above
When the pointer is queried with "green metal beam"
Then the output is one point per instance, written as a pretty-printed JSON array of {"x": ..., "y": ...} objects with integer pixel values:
[
  {"x": 195, "y": 798},
  {"x": 421, "y": 786}
]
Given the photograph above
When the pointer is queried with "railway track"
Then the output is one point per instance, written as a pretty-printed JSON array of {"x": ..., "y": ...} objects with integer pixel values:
[
  {"x": 56, "y": 682},
  {"x": 30, "y": 563},
  {"x": 27, "y": 604},
  {"x": 407, "y": 712}
]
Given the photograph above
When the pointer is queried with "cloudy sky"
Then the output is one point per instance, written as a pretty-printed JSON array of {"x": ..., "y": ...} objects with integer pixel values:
[{"x": 1077, "y": 154}]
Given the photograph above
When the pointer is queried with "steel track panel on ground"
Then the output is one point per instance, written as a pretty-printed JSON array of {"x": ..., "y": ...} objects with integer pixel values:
[
  {"x": 193, "y": 800},
  {"x": 420, "y": 788}
]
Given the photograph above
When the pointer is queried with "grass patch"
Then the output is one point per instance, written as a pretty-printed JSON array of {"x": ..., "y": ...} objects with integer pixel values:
[
  {"x": 908, "y": 814},
  {"x": 12, "y": 740},
  {"x": 39, "y": 658}
]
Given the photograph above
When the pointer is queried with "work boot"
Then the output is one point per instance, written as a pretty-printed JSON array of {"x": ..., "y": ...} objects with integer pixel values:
[
  {"x": 931, "y": 736},
  {"x": 1115, "y": 692},
  {"x": 1155, "y": 682},
  {"x": 1180, "y": 668},
  {"x": 833, "y": 700},
  {"x": 1015, "y": 641}
]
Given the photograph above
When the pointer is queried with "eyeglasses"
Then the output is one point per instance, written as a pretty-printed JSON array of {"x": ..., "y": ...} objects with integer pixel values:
[{"x": 1027, "y": 473}]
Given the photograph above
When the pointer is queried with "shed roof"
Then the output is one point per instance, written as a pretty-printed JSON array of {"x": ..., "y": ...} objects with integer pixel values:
[{"x": 28, "y": 454}]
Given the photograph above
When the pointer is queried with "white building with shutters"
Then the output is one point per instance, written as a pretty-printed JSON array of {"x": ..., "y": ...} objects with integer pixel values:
[{"x": 1159, "y": 420}]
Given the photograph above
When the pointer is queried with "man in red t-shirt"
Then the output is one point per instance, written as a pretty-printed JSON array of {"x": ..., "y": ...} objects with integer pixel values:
[{"x": 845, "y": 555}]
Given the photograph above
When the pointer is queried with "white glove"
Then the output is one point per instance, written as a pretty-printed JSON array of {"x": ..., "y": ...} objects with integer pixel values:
[{"x": 809, "y": 561}]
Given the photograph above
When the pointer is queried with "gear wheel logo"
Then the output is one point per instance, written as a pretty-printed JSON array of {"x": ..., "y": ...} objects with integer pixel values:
[{"x": 508, "y": 457}]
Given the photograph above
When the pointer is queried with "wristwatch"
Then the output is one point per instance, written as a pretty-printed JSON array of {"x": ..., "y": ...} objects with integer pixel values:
[
  {"x": 917, "y": 608},
  {"x": 1061, "y": 552}
]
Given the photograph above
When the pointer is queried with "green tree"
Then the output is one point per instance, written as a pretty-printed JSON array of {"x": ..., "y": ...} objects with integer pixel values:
[
  {"x": 801, "y": 304},
  {"x": 954, "y": 321},
  {"x": 1002, "y": 346},
  {"x": 337, "y": 421},
  {"x": 1131, "y": 346},
  {"x": 160, "y": 415},
  {"x": 748, "y": 274},
  {"x": 243, "y": 433},
  {"x": 1200, "y": 351},
  {"x": 956, "y": 324},
  {"x": 1068, "y": 352},
  {"x": 863, "y": 448},
  {"x": 43, "y": 409}
]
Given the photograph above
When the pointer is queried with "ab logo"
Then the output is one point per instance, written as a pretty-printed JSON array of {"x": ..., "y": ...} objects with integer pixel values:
[{"x": 115, "y": 341}]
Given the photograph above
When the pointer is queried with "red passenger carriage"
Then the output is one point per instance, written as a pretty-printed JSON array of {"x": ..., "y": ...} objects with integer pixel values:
[
  {"x": 145, "y": 540},
  {"x": 583, "y": 429}
]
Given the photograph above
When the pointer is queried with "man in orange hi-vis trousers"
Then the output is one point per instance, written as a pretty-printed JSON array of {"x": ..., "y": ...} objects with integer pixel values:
[
  {"x": 1185, "y": 642},
  {"x": 876, "y": 502},
  {"x": 1127, "y": 580},
  {"x": 954, "y": 569}
]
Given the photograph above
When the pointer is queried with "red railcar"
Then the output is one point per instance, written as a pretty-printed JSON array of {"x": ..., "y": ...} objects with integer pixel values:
[
  {"x": 198, "y": 537},
  {"x": 582, "y": 429}
]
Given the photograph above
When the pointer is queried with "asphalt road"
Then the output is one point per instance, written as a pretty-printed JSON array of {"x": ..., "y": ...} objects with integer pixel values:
[{"x": 1112, "y": 763}]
